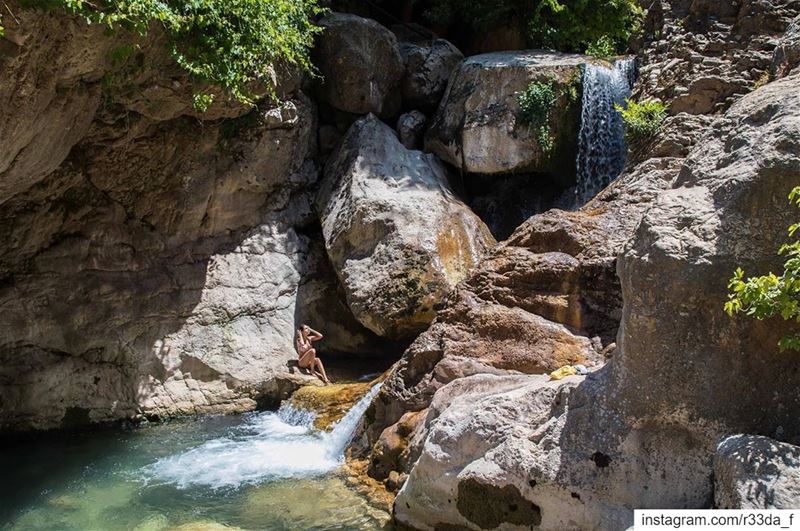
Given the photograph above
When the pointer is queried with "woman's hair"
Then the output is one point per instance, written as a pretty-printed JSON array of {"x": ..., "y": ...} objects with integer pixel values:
[{"x": 303, "y": 325}]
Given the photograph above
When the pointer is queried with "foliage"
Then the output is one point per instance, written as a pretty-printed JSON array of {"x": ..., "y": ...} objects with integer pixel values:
[
  {"x": 567, "y": 25},
  {"x": 229, "y": 43},
  {"x": 643, "y": 120},
  {"x": 771, "y": 295},
  {"x": 602, "y": 48},
  {"x": 535, "y": 104}
]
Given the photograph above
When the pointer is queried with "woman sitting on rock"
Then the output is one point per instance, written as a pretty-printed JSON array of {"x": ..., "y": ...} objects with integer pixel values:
[{"x": 307, "y": 354}]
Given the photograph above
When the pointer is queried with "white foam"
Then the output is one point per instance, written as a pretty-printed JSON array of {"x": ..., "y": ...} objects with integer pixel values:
[{"x": 271, "y": 445}]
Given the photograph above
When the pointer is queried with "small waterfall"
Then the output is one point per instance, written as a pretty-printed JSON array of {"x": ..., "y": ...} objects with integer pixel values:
[
  {"x": 272, "y": 445},
  {"x": 601, "y": 142}
]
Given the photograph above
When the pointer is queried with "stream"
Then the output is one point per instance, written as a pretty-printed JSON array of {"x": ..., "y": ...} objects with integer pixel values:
[{"x": 260, "y": 470}]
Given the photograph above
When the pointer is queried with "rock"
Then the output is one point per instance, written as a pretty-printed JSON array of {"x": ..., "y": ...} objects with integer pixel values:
[
  {"x": 643, "y": 431},
  {"x": 396, "y": 261},
  {"x": 477, "y": 128},
  {"x": 391, "y": 453},
  {"x": 700, "y": 57},
  {"x": 546, "y": 297},
  {"x": 360, "y": 64},
  {"x": 428, "y": 67},
  {"x": 787, "y": 54},
  {"x": 755, "y": 472},
  {"x": 411, "y": 128},
  {"x": 150, "y": 262},
  {"x": 329, "y": 402}
]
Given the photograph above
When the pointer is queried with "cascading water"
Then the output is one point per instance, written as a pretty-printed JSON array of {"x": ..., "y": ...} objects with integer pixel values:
[
  {"x": 283, "y": 444},
  {"x": 601, "y": 142}
]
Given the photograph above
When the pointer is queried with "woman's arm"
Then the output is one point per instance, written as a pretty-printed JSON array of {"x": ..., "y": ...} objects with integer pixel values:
[
  {"x": 298, "y": 340},
  {"x": 313, "y": 335}
]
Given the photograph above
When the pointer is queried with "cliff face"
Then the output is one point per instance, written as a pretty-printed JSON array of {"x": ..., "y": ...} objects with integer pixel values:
[{"x": 150, "y": 259}]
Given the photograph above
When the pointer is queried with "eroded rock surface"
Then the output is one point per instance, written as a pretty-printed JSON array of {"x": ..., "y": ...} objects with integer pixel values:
[
  {"x": 428, "y": 67},
  {"x": 151, "y": 258},
  {"x": 396, "y": 234},
  {"x": 361, "y": 65},
  {"x": 477, "y": 127},
  {"x": 755, "y": 472}
]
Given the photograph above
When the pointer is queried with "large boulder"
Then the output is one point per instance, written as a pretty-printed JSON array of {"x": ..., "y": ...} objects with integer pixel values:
[
  {"x": 477, "y": 127},
  {"x": 756, "y": 472},
  {"x": 360, "y": 64},
  {"x": 396, "y": 234},
  {"x": 428, "y": 68},
  {"x": 643, "y": 431}
]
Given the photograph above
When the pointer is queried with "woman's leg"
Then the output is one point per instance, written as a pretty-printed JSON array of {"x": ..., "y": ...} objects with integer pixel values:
[
  {"x": 321, "y": 367},
  {"x": 306, "y": 360}
]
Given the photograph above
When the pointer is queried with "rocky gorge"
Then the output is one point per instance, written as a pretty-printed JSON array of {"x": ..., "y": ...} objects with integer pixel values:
[{"x": 156, "y": 260}]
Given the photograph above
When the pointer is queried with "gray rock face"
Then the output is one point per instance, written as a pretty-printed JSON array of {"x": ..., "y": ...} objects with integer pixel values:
[
  {"x": 755, "y": 472},
  {"x": 700, "y": 56},
  {"x": 411, "y": 128},
  {"x": 643, "y": 431},
  {"x": 428, "y": 69},
  {"x": 396, "y": 234},
  {"x": 153, "y": 261},
  {"x": 787, "y": 54},
  {"x": 361, "y": 65},
  {"x": 477, "y": 129}
]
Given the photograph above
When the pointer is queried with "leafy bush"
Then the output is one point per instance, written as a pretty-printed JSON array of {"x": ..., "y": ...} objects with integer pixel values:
[
  {"x": 567, "y": 25},
  {"x": 535, "y": 104},
  {"x": 642, "y": 120},
  {"x": 771, "y": 295},
  {"x": 602, "y": 48},
  {"x": 229, "y": 43}
]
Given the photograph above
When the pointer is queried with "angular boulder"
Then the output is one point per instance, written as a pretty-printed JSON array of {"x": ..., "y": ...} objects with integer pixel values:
[
  {"x": 756, "y": 472},
  {"x": 477, "y": 127},
  {"x": 428, "y": 67},
  {"x": 396, "y": 234},
  {"x": 360, "y": 65}
]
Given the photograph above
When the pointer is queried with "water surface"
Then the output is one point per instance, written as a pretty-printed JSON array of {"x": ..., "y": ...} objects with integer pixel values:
[{"x": 266, "y": 470}]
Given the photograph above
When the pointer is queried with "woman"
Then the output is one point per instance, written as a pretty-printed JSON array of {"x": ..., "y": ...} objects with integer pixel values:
[{"x": 307, "y": 354}]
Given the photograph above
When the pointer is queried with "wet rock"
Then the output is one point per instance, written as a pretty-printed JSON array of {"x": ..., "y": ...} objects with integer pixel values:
[
  {"x": 330, "y": 402},
  {"x": 395, "y": 260},
  {"x": 477, "y": 127},
  {"x": 755, "y": 472},
  {"x": 360, "y": 64},
  {"x": 428, "y": 67},
  {"x": 411, "y": 128}
]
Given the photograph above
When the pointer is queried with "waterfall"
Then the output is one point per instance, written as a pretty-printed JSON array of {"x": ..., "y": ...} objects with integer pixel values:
[
  {"x": 271, "y": 445},
  {"x": 601, "y": 142}
]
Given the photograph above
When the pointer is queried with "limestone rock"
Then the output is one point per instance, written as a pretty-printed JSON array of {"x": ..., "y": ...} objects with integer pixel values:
[
  {"x": 699, "y": 57},
  {"x": 755, "y": 472},
  {"x": 411, "y": 128},
  {"x": 395, "y": 232},
  {"x": 477, "y": 128},
  {"x": 360, "y": 64},
  {"x": 787, "y": 54},
  {"x": 428, "y": 67},
  {"x": 546, "y": 297}
]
